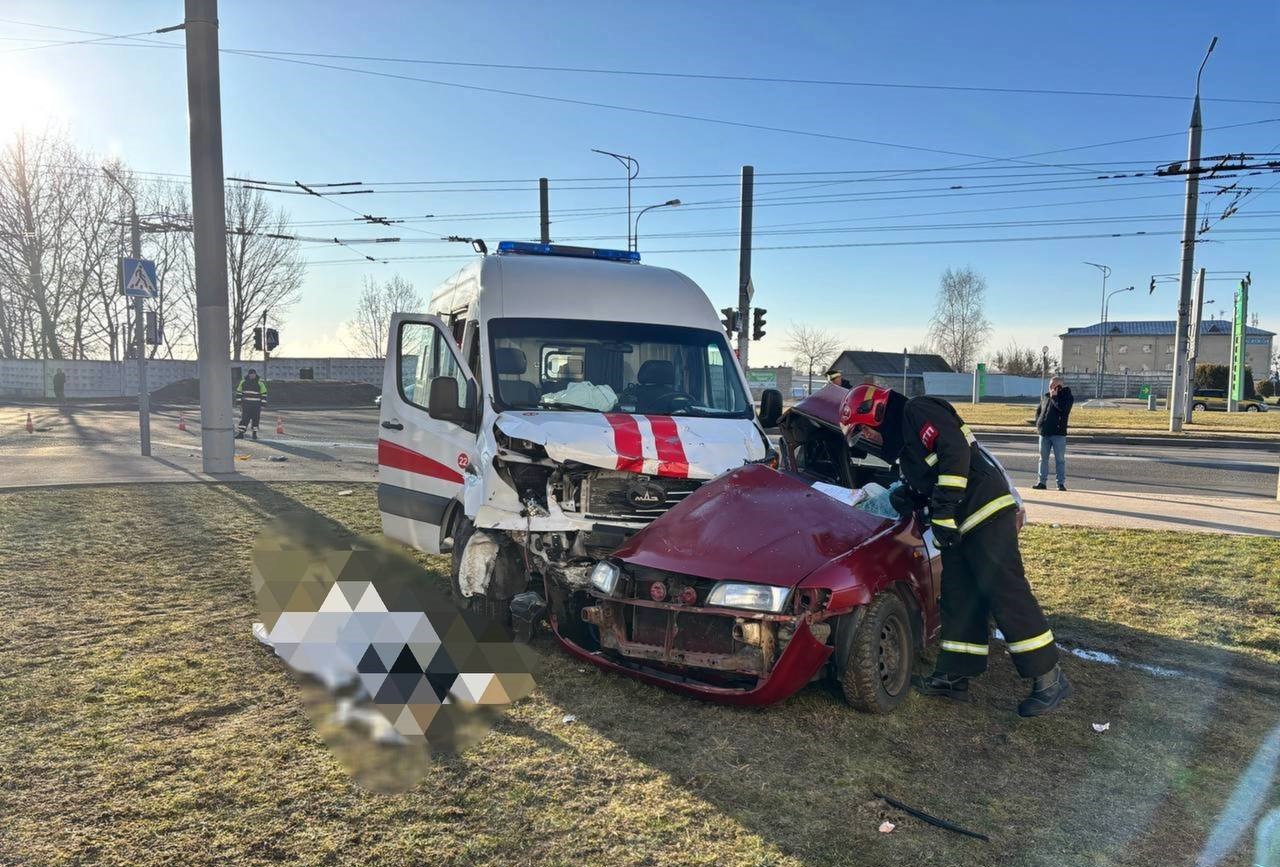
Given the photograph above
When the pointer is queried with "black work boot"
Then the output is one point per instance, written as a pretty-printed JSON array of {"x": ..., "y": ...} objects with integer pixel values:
[
  {"x": 952, "y": 686},
  {"x": 255, "y": 433},
  {"x": 239, "y": 434},
  {"x": 1047, "y": 692}
]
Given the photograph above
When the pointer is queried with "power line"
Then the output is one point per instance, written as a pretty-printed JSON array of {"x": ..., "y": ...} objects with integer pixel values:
[{"x": 700, "y": 76}]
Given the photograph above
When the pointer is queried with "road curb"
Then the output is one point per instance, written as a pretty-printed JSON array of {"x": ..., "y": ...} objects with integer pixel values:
[{"x": 1221, "y": 442}]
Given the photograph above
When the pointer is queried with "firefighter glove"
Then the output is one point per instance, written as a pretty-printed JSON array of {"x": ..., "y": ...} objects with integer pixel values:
[{"x": 904, "y": 501}]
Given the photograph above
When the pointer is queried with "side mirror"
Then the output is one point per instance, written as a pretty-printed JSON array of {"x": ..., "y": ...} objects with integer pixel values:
[
  {"x": 770, "y": 407},
  {"x": 443, "y": 402}
]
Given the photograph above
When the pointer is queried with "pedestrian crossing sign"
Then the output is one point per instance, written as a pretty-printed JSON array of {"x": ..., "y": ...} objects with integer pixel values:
[{"x": 138, "y": 278}]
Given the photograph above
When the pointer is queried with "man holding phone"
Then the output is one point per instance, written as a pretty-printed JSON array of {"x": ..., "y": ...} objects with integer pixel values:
[{"x": 1051, "y": 424}]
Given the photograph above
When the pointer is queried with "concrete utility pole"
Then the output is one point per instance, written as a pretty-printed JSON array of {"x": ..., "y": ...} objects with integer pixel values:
[
  {"x": 139, "y": 324},
  {"x": 744, "y": 264},
  {"x": 1177, "y": 392},
  {"x": 208, "y": 208},
  {"x": 544, "y": 209},
  {"x": 1193, "y": 348}
]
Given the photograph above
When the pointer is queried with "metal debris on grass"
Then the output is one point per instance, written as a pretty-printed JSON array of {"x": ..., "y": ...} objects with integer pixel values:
[
  {"x": 348, "y": 492},
  {"x": 569, "y": 718},
  {"x": 277, "y": 458},
  {"x": 886, "y": 827},
  {"x": 1101, "y": 727}
]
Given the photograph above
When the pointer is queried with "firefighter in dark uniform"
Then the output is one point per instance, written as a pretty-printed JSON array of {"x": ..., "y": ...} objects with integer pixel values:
[
  {"x": 253, "y": 397},
  {"x": 974, "y": 517}
]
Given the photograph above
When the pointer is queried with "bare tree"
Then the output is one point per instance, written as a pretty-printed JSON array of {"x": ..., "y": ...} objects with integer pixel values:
[
  {"x": 264, "y": 270},
  {"x": 1017, "y": 360},
  {"x": 959, "y": 326},
  {"x": 40, "y": 191},
  {"x": 813, "y": 347},
  {"x": 378, "y": 301}
]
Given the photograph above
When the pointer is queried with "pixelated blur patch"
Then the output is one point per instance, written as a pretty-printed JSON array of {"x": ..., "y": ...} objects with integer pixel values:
[{"x": 392, "y": 671}]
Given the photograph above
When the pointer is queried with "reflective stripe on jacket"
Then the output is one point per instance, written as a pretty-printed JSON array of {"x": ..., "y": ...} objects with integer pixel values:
[
  {"x": 251, "y": 396},
  {"x": 942, "y": 461}
]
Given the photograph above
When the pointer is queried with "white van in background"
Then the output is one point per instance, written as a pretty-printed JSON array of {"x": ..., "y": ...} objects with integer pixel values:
[{"x": 555, "y": 401}]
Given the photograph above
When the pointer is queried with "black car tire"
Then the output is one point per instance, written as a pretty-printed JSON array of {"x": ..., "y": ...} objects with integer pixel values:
[
  {"x": 882, "y": 655},
  {"x": 1199, "y": 406},
  {"x": 496, "y": 609},
  {"x": 1253, "y": 407}
]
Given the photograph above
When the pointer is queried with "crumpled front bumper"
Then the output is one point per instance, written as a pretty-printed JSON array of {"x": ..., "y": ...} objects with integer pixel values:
[{"x": 695, "y": 673}]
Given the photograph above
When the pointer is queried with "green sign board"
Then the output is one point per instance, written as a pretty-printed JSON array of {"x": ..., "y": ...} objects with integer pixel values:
[
  {"x": 762, "y": 378},
  {"x": 1144, "y": 391},
  {"x": 1238, "y": 329},
  {"x": 982, "y": 380}
]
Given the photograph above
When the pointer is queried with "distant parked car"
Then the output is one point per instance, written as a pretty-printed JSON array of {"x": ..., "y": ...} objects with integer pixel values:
[
  {"x": 377, "y": 401},
  {"x": 1215, "y": 399}
]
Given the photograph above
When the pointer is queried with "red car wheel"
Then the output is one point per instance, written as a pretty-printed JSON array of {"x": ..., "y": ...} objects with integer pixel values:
[{"x": 882, "y": 654}]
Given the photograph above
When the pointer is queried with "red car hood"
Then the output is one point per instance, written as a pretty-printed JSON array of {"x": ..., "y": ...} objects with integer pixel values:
[{"x": 753, "y": 524}]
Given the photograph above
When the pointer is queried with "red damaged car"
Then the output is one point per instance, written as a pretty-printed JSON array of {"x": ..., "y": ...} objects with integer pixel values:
[{"x": 764, "y": 580}]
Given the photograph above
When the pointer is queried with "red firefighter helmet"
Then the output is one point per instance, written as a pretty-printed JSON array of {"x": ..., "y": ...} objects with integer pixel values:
[{"x": 864, "y": 406}]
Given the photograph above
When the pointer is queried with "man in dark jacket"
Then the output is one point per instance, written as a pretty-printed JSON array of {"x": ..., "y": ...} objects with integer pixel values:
[
  {"x": 1051, "y": 424},
  {"x": 973, "y": 514},
  {"x": 253, "y": 397}
]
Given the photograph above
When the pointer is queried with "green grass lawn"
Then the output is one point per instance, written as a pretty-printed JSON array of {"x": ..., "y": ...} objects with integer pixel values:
[
  {"x": 1125, "y": 418},
  {"x": 143, "y": 725}
]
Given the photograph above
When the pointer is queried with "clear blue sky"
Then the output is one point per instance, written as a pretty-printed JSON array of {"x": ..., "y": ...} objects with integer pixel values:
[{"x": 285, "y": 121}]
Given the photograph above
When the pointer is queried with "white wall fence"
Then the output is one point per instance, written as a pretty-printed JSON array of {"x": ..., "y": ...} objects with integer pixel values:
[
  {"x": 999, "y": 385},
  {"x": 1083, "y": 386},
  {"x": 34, "y": 379}
]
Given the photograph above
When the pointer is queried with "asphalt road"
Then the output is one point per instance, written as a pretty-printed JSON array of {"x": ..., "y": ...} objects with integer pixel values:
[
  {"x": 1147, "y": 465},
  {"x": 318, "y": 442}
]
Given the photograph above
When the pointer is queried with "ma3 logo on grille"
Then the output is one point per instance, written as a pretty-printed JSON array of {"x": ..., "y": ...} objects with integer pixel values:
[{"x": 644, "y": 494}]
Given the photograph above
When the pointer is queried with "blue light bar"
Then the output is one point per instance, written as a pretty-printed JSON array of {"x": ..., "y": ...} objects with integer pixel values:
[{"x": 529, "y": 248}]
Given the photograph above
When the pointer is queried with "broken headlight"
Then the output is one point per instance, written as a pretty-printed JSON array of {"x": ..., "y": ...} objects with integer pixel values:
[
  {"x": 755, "y": 597},
  {"x": 605, "y": 577}
]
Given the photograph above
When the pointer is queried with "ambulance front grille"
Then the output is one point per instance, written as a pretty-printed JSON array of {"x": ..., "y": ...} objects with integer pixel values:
[{"x": 604, "y": 496}]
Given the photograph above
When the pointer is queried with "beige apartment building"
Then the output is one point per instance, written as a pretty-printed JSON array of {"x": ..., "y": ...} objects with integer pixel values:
[{"x": 1147, "y": 347}]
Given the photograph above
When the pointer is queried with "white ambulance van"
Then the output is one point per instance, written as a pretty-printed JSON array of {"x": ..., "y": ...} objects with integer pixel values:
[{"x": 552, "y": 402}]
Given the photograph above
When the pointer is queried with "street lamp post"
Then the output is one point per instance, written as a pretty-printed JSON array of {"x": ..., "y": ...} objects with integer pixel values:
[
  {"x": 635, "y": 234},
  {"x": 139, "y": 325},
  {"x": 1106, "y": 307},
  {"x": 1106, "y": 272},
  {"x": 1044, "y": 369},
  {"x": 632, "y": 165}
]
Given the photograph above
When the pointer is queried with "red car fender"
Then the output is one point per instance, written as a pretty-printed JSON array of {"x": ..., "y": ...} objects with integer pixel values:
[{"x": 857, "y": 577}]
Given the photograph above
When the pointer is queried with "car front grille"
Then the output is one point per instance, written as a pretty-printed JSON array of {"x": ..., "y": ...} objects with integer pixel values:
[{"x": 605, "y": 496}]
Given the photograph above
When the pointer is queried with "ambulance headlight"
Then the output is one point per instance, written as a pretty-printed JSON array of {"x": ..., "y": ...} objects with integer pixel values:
[
  {"x": 605, "y": 577},
  {"x": 756, "y": 597}
]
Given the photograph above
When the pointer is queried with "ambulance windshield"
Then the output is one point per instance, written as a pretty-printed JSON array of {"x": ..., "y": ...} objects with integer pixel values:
[{"x": 576, "y": 364}]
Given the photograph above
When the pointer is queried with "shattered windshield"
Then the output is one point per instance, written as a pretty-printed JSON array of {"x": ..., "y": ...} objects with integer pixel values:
[{"x": 573, "y": 364}]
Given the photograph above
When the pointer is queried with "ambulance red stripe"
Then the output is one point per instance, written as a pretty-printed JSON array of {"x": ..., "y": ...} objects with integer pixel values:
[
  {"x": 626, "y": 441},
  {"x": 671, "y": 457},
  {"x": 400, "y": 458}
]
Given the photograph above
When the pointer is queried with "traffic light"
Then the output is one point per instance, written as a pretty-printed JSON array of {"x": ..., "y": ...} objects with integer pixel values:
[
  {"x": 155, "y": 329},
  {"x": 757, "y": 327},
  {"x": 273, "y": 339},
  {"x": 257, "y": 339},
  {"x": 730, "y": 315}
]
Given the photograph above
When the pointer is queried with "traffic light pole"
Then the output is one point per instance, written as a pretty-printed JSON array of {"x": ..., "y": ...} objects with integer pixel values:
[
  {"x": 140, "y": 339},
  {"x": 266, "y": 353},
  {"x": 139, "y": 324},
  {"x": 744, "y": 265}
]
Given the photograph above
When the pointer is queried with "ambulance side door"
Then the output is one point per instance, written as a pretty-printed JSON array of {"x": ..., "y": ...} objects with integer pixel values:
[{"x": 427, "y": 433}]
